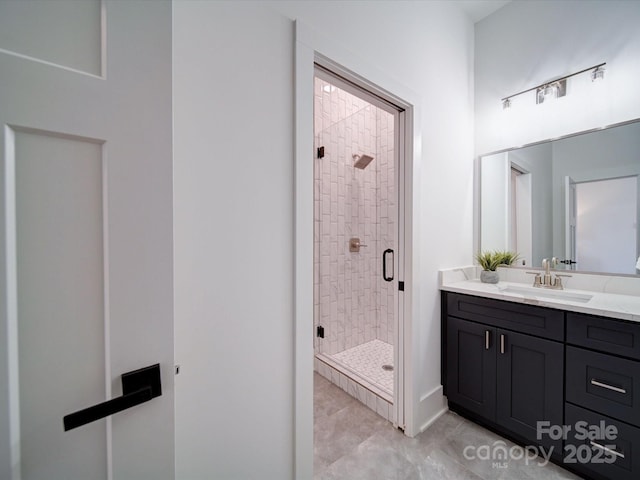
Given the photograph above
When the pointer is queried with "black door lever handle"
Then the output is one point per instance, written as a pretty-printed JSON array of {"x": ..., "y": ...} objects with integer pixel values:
[{"x": 138, "y": 386}]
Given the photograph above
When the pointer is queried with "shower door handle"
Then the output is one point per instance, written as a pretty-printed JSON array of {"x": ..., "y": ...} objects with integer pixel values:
[{"x": 384, "y": 265}]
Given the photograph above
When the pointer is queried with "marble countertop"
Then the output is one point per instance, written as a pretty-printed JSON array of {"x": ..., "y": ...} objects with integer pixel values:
[{"x": 614, "y": 305}]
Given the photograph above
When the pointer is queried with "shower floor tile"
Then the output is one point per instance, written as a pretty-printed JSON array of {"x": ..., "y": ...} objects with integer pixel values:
[{"x": 367, "y": 360}]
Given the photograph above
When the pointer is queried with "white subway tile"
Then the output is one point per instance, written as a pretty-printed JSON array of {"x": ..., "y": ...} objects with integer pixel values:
[
  {"x": 382, "y": 407},
  {"x": 372, "y": 401},
  {"x": 344, "y": 384}
]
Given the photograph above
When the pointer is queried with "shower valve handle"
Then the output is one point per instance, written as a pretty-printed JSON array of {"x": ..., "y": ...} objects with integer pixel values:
[{"x": 354, "y": 244}]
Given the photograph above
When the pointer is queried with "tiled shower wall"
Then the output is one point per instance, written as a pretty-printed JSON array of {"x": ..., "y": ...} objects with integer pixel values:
[{"x": 351, "y": 301}]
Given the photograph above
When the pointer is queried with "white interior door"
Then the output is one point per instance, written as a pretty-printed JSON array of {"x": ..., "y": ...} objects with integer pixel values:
[
  {"x": 85, "y": 236},
  {"x": 606, "y": 225}
]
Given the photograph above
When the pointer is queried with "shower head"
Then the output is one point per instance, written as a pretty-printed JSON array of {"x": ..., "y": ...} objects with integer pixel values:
[{"x": 361, "y": 161}]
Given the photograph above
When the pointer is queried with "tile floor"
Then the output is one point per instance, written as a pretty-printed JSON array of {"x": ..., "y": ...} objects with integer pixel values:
[
  {"x": 367, "y": 360},
  {"x": 351, "y": 443}
]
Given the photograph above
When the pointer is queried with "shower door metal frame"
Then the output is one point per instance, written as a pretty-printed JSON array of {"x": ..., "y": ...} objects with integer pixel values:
[
  {"x": 401, "y": 141},
  {"x": 379, "y": 98}
]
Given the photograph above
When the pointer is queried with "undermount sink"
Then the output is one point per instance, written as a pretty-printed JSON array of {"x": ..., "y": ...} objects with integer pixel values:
[{"x": 547, "y": 293}]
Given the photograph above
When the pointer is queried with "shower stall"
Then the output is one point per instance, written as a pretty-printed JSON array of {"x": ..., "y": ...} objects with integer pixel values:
[{"x": 355, "y": 241}]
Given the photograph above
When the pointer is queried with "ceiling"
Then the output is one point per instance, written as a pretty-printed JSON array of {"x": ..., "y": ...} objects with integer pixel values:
[{"x": 478, "y": 9}]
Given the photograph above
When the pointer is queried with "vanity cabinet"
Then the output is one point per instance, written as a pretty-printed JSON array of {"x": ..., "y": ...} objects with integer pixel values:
[
  {"x": 603, "y": 385},
  {"x": 506, "y": 377},
  {"x": 509, "y": 365}
]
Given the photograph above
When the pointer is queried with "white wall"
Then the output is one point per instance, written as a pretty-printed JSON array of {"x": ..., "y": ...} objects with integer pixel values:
[
  {"x": 233, "y": 239},
  {"x": 494, "y": 201},
  {"x": 527, "y": 43},
  {"x": 233, "y": 154}
]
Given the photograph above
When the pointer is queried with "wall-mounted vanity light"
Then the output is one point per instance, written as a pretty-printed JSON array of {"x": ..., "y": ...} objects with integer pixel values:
[{"x": 556, "y": 88}]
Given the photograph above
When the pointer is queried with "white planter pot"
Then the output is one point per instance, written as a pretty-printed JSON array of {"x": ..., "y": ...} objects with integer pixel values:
[{"x": 487, "y": 276}]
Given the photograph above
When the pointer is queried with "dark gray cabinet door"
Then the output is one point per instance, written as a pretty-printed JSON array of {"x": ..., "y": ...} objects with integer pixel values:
[
  {"x": 530, "y": 385},
  {"x": 471, "y": 366}
]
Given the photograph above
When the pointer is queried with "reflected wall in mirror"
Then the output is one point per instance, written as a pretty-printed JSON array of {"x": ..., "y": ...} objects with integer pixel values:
[{"x": 576, "y": 199}]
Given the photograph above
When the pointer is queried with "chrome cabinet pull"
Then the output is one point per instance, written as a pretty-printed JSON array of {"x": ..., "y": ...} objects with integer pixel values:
[
  {"x": 487, "y": 339},
  {"x": 502, "y": 344},
  {"x": 608, "y": 387},
  {"x": 608, "y": 450}
]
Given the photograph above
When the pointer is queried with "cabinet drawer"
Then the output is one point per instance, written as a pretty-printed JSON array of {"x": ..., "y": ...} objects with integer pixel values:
[
  {"x": 539, "y": 321},
  {"x": 604, "y": 383},
  {"x": 589, "y": 455},
  {"x": 605, "y": 334}
]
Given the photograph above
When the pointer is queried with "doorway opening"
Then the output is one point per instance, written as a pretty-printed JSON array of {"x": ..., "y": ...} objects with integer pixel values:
[
  {"x": 358, "y": 234},
  {"x": 595, "y": 208},
  {"x": 521, "y": 214}
]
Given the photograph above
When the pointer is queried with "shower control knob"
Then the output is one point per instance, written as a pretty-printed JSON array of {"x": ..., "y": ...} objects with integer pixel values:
[{"x": 354, "y": 244}]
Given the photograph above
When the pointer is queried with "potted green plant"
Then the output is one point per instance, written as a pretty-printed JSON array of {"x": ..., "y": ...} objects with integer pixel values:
[{"x": 490, "y": 261}]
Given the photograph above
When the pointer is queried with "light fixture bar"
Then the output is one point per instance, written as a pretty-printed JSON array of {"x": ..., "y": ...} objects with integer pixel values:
[
  {"x": 537, "y": 87},
  {"x": 597, "y": 74}
]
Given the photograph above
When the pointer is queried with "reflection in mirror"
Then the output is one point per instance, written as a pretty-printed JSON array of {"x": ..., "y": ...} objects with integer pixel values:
[{"x": 576, "y": 199}]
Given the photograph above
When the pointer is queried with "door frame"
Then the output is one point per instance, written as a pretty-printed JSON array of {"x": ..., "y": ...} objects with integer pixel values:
[
  {"x": 399, "y": 117},
  {"x": 570, "y": 220},
  {"x": 522, "y": 198},
  {"x": 313, "y": 48}
]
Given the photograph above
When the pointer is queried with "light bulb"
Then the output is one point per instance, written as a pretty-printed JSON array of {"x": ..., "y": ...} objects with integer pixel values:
[{"x": 551, "y": 91}]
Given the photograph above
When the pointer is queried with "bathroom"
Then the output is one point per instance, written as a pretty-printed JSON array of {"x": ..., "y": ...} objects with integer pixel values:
[
  {"x": 240, "y": 93},
  {"x": 499, "y": 71}
]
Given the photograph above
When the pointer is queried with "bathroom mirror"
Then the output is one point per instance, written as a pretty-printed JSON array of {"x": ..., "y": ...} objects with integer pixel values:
[{"x": 576, "y": 198}]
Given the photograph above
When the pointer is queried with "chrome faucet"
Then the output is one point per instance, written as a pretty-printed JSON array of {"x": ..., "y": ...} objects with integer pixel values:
[
  {"x": 547, "y": 275},
  {"x": 548, "y": 280}
]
